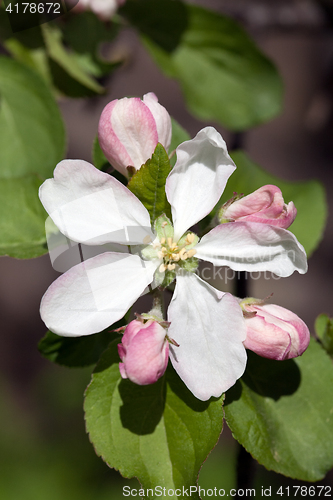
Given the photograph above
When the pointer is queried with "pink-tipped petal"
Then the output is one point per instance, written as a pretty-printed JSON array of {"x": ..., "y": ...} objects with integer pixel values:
[
  {"x": 265, "y": 205},
  {"x": 198, "y": 179},
  {"x": 275, "y": 332},
  {"x": 209, "y": 327},
  {"x": 252, "y": 246},
  {"x": 92, "y": 207},
  {"x": 129, "y": 130},
  {"x": 95, "y": 294}
]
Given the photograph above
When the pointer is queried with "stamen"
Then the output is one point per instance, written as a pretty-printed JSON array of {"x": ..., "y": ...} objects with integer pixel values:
[
  {"x": 162, "y": 268},
  {"x": 181, "y": 254},
  {"x": 171, "y": 267},
  {"x": 162, "y": 240},
  {"x": 190, "y": 238},
  {"x": 160, "y": 255},
  {"x": 191, "y": 252},
  {"x": 164, "y": 224},
  {"x": 170, "y": 242},
  {"x": 175, "y": 257}
]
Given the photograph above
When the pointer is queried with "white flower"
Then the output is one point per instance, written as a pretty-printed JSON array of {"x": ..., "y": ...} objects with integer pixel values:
[{"x": 92, "y": 207}]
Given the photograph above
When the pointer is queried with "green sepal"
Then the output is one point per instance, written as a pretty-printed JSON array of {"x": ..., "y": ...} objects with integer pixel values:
[
  {"x": 281, "y": 412},
  {"x": 163, "y": 227},
  {"x": 159, "y": 433},
  {"x": 148, "y": 183},
  {"x": 324, "y": 331},
  {"x": 189, "y": 265}
]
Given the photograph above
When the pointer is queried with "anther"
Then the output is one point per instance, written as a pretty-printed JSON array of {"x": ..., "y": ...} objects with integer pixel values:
[
  {"x": 190, "y": 238},
  {"x": 162, "y": 240},
  {"x": 170, "y": 241},
  {"x": 162, "y": 268},
  {"x": 171, "y": 267},
  {"x": 191, "y": 252}
]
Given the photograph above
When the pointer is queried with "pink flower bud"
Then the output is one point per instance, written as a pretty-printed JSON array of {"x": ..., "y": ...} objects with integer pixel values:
[
  {"x": 144, "y": 352},
  {"x": 129, "y": 130},
  {"x": 275, "y": 332},
  {"x": 102, "y": 8},
  {"x": 266, "y": 205}
]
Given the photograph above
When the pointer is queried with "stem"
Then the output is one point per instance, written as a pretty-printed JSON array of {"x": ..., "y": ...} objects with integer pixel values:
[{"x": 158, "y": 303}]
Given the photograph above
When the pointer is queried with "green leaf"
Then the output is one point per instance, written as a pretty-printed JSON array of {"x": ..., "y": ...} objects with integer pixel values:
[
  {"x": 309, "y": 198},
  {"x": 282, "y": 413},
  {"x": 35, "y": 59},
  {"x": 32, "y": 139},
  {"x": 324, "y": 331},
  {"x": 68, "y": 75},
  {"x": 148, "y": 183},
  {"x": 76, "y": 351},
  {"x": 22, "y": 218},
  {"x": 179, "y": 135},
  {"x": 223, "y": 75},
  {"x": 159, "y": 433}
]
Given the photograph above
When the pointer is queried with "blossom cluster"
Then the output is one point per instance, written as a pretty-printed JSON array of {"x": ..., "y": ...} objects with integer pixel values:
[{"x": 207, "y": 331}]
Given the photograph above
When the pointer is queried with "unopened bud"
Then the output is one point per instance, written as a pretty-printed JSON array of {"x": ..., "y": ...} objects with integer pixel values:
[
  {"x": 144, "y": 352},
  {"x": 265, "y": 205},
  {"x": 274, "y": 332},
  {"x": 130, "y": 128}
]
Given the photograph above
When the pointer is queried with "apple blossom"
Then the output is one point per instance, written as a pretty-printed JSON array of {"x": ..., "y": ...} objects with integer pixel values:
[
  {"x": 265, "y": 205},
  {"x": 144, "y": 352},
  {"x": 102, "y": 8},
  {"x": 91, "y": 206},
  {"x": 130, "y": 128},
  {"x": 273, "y": 331}
]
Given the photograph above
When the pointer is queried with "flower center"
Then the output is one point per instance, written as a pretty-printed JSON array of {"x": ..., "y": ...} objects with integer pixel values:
[{"x": 173, "y": 252}]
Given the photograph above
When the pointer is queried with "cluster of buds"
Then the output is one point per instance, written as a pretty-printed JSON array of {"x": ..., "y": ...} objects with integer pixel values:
[
  {"x": 272, "y": 331},
  {"x": 129, "y": 131}
]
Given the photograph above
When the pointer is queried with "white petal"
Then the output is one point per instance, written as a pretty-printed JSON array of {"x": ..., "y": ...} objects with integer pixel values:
[
  {"x": 93, "y": 295},
  {"x": 92, "y": 207},
  {"x": 253, "y": 246},
  {"x": 209, "y": 327},
  {"x": 198, "y": 179}
]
